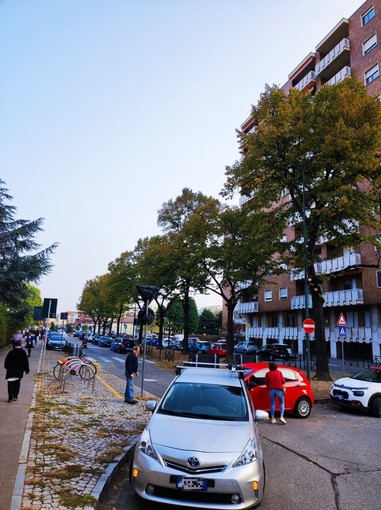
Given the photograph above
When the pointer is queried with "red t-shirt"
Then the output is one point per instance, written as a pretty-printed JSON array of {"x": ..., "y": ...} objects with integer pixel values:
[{"x": 274, "y": 380}]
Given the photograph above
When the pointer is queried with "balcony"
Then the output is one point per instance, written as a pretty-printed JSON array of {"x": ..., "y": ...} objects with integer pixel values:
[
  {"x": 309, "y": 79},
  {"x": 350, "y": 297},
  {"x": 334, "y": 60},
  {"x": 331, "y": 265},
  {"x": 345, "y": 72},
  {"x": 340, "y": 263},
  {"x": 249, "y": 307}
]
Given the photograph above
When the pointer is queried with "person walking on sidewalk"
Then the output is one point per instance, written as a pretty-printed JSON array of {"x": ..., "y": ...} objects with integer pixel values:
[
  {"x": 28, "y": 342},
  {"x": 131, "y": 371},
  {"x": 275, "y": 382},
  {"x": 15, "y": 364}
]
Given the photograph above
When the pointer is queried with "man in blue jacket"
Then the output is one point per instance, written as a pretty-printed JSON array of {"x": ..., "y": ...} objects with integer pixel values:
[{"x": 131, "y": 372}]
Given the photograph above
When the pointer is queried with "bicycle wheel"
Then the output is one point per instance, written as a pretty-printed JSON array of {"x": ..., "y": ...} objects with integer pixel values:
[
  {"x": 57, "y": 371},
  {"x": 87, "y": 371}
]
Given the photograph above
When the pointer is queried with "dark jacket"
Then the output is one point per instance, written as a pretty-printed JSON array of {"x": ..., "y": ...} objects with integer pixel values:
[
  {"x": 16, "y": 363},
  {"x": 131, "y": 363}
]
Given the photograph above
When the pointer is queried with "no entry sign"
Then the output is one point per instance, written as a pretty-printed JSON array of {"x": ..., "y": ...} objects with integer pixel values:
[{"x": 309, "y": 325}]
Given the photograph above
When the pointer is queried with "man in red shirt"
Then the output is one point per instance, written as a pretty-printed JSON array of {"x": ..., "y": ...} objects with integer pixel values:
[{"x": 275, "y": 383}]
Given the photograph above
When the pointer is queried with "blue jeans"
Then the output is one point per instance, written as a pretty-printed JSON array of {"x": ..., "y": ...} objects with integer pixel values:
[
  {"x": 273, "y": 396},
  {"x": 130, "y": 392}
]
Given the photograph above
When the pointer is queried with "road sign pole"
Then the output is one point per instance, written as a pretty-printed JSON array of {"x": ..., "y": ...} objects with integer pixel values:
[{"x": 309, "y": 327}]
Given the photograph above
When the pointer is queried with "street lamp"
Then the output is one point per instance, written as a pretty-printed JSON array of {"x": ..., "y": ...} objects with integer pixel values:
[{"x": 305, "y": 276}]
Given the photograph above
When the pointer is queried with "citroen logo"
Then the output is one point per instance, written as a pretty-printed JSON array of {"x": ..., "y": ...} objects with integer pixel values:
[{"x": 193, "y": 462}]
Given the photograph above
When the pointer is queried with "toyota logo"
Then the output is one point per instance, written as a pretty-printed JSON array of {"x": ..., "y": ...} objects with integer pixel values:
[{"x": 193, "y": 462}]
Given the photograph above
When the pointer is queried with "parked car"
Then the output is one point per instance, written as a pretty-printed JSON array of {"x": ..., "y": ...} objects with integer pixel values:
[
  {"x": 105, "y": 341},
  {"x": 273, "y": 352},
  {"x": 175, "y": 344},
  {"x": 213, "y": 456},
  {"x": 220, "y": 349},
  {"x": 245, "y": 347},
  {"x": 299, "y": 397},
  {"x": 126, "y": 345},
  {"x": 198, "y": 345},
  {"x": 361, "y": 391},
  {"x": 96, "y": 339},
  {"x": 55, "y": 341}
]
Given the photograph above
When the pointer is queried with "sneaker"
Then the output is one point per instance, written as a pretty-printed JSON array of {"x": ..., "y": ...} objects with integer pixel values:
[
  {"x": 273, "y": 420},
  {"x": 132, "y": 402},
  {"x": 282, "y": 420}
]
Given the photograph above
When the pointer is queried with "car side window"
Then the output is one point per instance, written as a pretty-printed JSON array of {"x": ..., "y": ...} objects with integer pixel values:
[{"x": 288, "y": 374}]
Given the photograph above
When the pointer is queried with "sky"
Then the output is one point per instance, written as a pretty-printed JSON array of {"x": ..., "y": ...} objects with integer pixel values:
[{"x": 109, "y": 108}]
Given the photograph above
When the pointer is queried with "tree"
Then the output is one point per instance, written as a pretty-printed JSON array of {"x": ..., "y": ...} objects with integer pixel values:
[
  {"x": 122, "y": 283},
  {"x": 154, "y": 266},
  {"x": 209, "y": 323},
  {"x": 20, "y": 261},
  {"x": 96, "y": 301},
  {"x": 173, "y": 218},
  {"x": 317, "y": 159},
  {"x": 237, "y": 252}
]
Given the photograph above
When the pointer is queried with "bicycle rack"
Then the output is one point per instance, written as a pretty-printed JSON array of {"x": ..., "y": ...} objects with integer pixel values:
[{"x": 72, "y": 368}]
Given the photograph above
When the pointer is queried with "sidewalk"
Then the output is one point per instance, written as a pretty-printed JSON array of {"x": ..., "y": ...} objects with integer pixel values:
[
  {"x": 13, "y": 419},
  {"x": 59, "y": 449}
]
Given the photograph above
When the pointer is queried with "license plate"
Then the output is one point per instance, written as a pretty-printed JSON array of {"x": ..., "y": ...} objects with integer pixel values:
[{"x": 191, "y": 484}]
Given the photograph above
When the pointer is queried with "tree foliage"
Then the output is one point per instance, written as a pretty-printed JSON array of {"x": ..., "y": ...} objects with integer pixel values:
[
  {"x": 21, "y": 260},
  {"x": 325, "y": 148}
]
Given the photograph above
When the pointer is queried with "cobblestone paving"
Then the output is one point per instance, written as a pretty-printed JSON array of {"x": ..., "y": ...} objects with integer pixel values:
[{"x": 75, "y": 435}]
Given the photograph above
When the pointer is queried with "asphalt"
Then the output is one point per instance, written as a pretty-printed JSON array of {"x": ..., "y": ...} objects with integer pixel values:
[{"x": 59, "y": 441}]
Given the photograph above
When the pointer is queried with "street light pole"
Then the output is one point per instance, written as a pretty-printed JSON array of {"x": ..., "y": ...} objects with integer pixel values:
[{"x": 305, "y": 275}]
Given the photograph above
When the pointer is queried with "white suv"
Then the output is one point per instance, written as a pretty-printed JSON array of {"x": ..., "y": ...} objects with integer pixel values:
[{"x": 361, "y": 392}]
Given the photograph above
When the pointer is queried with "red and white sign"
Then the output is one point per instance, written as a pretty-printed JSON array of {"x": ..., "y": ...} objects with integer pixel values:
[
  {"x": 309, "y": 325},
  {"x": 341, "y": 320}
]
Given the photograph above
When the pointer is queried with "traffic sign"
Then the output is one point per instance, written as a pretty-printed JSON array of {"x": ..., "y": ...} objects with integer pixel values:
[
  {"x": 341, "y": 320},
  {"x": 342, "y": 330},
  {"x": 309, "y": 325}
]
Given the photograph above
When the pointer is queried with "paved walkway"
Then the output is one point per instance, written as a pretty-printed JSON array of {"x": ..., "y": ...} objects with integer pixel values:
[{"x": 60, "y": 446}]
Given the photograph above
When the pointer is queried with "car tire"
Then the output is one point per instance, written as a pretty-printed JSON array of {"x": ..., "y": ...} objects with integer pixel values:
[
  {"x": 375, "y": 408},
  {"x": 302, "y": 408}
]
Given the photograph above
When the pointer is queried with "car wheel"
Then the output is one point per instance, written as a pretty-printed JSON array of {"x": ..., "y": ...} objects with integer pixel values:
[
  {"x": 302, "y": 407},
  {"x": 375, "y": 407}
]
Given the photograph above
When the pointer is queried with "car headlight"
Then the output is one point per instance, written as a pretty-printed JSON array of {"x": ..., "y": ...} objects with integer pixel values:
[
  {"x": 145, "y": 445},
  {"x": 358, "y": 393},
  {"x": 248, "y": 454}
]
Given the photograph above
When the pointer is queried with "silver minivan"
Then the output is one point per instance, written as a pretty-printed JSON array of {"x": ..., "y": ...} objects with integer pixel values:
[{"x": 201, "y": 447}]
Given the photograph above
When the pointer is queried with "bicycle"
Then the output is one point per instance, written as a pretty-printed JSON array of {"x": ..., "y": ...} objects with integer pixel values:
[{"x": 73, "y": 365}]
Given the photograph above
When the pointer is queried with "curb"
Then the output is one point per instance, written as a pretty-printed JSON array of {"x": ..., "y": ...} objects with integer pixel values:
[{"x": 107, "y": 478}]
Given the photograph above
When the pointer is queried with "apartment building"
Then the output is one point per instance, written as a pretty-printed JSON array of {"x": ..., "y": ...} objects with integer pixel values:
[{"x": 276, "y": 313}]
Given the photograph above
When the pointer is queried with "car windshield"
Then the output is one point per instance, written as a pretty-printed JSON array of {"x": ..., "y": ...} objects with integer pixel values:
[
  {"x": 205, "y": 401},
  {"x": 369, "y": 375}
]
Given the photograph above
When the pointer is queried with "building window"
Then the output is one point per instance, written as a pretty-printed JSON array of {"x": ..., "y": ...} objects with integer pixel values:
[
  {"x": 379, "y": 279},
  {"x": 283, "y": 293},
  {"x": 368, "y": 15},
  {"x": 268, "y": 295},
  {"x": 372, "y": 74},
  {"x": 369, "y": 44}
]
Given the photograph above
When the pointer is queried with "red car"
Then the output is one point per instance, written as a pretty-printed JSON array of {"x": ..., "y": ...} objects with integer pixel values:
[
  {"x": 299, "y": 397},
  {"x": 219, "y": 348}
]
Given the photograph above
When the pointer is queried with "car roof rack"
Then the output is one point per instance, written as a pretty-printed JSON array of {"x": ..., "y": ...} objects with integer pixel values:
[{"x": 233, "y": 367}]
